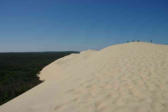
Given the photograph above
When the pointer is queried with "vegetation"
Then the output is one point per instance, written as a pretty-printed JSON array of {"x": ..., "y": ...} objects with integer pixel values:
[{"x": 18, "y": 71}]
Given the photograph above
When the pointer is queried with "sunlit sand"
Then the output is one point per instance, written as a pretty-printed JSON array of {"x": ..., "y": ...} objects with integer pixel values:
[{"x": 131, "y": 77}]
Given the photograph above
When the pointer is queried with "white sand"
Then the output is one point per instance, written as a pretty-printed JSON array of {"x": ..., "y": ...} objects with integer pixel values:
[{"x": 129, "y": 77}]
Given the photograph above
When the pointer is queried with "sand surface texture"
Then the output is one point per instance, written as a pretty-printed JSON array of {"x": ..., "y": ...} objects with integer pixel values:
[{"x": 129, "y": 77}]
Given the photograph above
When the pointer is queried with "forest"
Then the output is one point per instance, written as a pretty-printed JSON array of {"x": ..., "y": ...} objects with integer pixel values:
[{"x": 19, "y": 71}]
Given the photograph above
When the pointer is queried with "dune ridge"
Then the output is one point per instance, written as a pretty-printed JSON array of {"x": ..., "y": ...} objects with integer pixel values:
[{"x": 121, "y": 78}]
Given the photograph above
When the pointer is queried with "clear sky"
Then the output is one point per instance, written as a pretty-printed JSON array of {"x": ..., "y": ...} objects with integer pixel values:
[{"x": 55, "y": 25}]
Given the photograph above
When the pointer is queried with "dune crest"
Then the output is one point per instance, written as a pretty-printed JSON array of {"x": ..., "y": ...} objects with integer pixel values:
[{"x": 129, "y": 77}]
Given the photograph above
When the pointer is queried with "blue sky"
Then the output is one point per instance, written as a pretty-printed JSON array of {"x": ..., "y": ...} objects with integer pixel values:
[{"x": 56, "y": 25}]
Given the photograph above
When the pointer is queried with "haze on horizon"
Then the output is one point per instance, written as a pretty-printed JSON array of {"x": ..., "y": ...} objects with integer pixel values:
[{"x": 56, "y": 25}]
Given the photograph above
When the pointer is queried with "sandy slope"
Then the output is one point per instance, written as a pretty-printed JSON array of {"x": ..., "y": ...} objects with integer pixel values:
[{"x": 129, "y": 77}]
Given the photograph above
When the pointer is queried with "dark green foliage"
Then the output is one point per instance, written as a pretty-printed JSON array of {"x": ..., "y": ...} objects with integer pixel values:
[{"x": 18, "y": 71}]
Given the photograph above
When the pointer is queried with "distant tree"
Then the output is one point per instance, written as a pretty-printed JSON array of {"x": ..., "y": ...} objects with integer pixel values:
[
  {"x": 138, "y": 40},
  {"x": 151, "y": 41}
]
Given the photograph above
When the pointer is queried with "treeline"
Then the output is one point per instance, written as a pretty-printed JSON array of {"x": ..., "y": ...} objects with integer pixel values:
[{"x": 18, "y": 71}]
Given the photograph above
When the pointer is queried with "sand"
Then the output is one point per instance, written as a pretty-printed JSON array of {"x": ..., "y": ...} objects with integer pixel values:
[{"x": 130, "y": 77}]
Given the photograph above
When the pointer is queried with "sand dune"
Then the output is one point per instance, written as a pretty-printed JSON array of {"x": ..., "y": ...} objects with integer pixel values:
[{"x": 130, "y": 77}]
